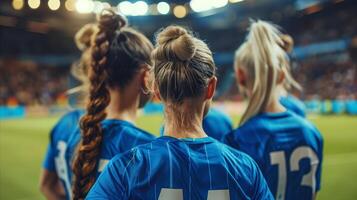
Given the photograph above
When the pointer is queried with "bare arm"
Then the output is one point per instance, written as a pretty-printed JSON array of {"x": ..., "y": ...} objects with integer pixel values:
[{"x": 51, "y": 186}]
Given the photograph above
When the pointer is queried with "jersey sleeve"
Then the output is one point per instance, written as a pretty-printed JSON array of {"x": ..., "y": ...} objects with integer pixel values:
[
  {"x": 111, "y": 183},
  {"x": 49, "y": 161},
  {"x": 260, "y": 186}
]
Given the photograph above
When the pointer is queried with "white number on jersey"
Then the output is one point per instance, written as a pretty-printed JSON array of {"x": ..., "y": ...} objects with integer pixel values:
[
  {"x": 61, "y": 166},
  {"x": 177, "y": 194},
  {"x": 309, "y": 179}
]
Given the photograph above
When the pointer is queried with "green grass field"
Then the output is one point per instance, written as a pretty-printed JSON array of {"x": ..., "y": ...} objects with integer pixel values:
[{"x": 23, "y": 143}]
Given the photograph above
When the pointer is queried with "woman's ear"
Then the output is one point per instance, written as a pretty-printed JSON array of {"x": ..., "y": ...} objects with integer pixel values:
[
  {"x": 144, "y": 77},
  {"x": 211, "y": 87},
  {"x": 241, "y": 77},
  {"x": 281, "y": 77}
]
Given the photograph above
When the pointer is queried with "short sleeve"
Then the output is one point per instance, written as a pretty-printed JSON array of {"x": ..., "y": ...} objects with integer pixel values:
[
  {"x": 110, "y": 184},
  {"x": 49, "y": 161},
  {"x": 260, "y": 186}
]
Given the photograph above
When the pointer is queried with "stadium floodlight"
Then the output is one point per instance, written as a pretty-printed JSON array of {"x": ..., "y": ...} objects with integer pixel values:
[
  {"x": 200, "y": 5},
  {"x": 125, "y": 7},
  {"x": 98, "y": 7},
  {"x": 163, "y": 8},
  {"x": 34, "y": 4},
  {"x": 17, "y": 4},
  {"x": 70, "y": 5},
  {"x": 235, "y": 1},
  {"x": 54, "y": 4},
  {"x": 180, "y": 11},
  {"x": 139, "y": 8},
  {"x": 84, "y": 6},
  {"x": 204, "y": 5},
  {"x": 219, "y": 3}
]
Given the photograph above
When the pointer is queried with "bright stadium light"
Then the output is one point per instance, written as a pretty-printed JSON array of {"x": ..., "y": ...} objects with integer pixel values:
[
  {"x": 98, "y": 7},
  {"x": 34, "y": 4},
  {"x": 125, "y": 7},
  {"x": 70, "y": 5},
  {"x": 139, "y": 8},
  {"x": 17, "y": 4},
  {"x": 204, "y": 5},
  {"x": 54, "y": 4},
  {"x": 219, "y": 3},
  {"x": 235, "y": 1},
  {"x": 84, "y": 6},
  {"x": 200, "y": 5},
  {"x": 163, "y": 8},
  {"x": 180, "y": 11}
]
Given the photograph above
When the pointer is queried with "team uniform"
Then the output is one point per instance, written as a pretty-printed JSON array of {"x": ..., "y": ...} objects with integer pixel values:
[
  {"x": 293, "y": 104},
  {"x": 119, "y": 136},
  {"x": 177, "y": 169},
  {"x": 288, "y": 150},
  {"x": 215, "y": 124},
  {"x": 59, "y": 136}
]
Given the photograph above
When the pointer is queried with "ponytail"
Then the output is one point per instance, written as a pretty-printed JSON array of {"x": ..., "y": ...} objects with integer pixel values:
[
  {"x": 86, "y": 161},
  {"x": 261, "y": 55}
]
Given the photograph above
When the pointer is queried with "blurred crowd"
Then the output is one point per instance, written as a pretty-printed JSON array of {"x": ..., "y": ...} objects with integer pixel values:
[
  {"x": 30, "y": 84},
  {"x": 327, "y": 80},
  {"x": 26, "y": 83},
  {"x": 326, "y": 26}
]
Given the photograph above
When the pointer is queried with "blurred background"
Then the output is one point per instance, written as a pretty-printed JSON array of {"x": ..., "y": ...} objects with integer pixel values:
[{"x": 37, "y": 50}]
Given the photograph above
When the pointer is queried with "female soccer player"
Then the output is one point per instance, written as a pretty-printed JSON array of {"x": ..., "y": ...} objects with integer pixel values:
[
  {"x": 184, "y": 164},
  {"x": 54, "y": 173},
  {"x": 287, "y": 148},
  {"x": 118, "y": 73}
]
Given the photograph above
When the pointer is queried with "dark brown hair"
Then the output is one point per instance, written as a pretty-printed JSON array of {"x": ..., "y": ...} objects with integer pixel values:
[
  {"x": 117, "y": 53},
  {"x": 183, "y": 65}
]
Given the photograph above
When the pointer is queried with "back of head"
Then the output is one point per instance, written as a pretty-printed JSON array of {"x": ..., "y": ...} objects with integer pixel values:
[
  {"x": 117, "y": 53},
  {"x": 183, "y": 65},
  {"x": 263, "y": 59}
]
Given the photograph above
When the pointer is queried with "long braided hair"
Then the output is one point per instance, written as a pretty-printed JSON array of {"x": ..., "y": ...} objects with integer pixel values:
[{"x": 117, "y": 52}]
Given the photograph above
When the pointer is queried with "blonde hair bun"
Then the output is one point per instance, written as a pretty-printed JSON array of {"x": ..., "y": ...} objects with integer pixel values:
[{"x": 178, "y": 42}]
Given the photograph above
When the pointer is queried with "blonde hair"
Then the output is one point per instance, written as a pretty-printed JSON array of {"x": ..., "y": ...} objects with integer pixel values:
[
  {"x": 79, "y": 69},
  {"x": 263, "y": 58},
  {"x": 183, "y": 66}
]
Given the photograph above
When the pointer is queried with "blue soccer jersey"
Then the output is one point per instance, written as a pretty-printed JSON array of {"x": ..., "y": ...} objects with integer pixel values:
[
  {"x": 119, "y": 136},
  {"x": 215, "y": 124},
  {"x": 59, "y": 137},
  {"x": 293, "y": 104},
  {"x": 288, "y": 150},
  {"x": 177, "y": 169}
]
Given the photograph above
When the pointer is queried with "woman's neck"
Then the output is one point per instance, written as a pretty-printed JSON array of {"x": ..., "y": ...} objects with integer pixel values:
[
  {"x": 184, "y": 122},
  {"x": 122, "y": 108},
  {"x": 274, "y": 106}
]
